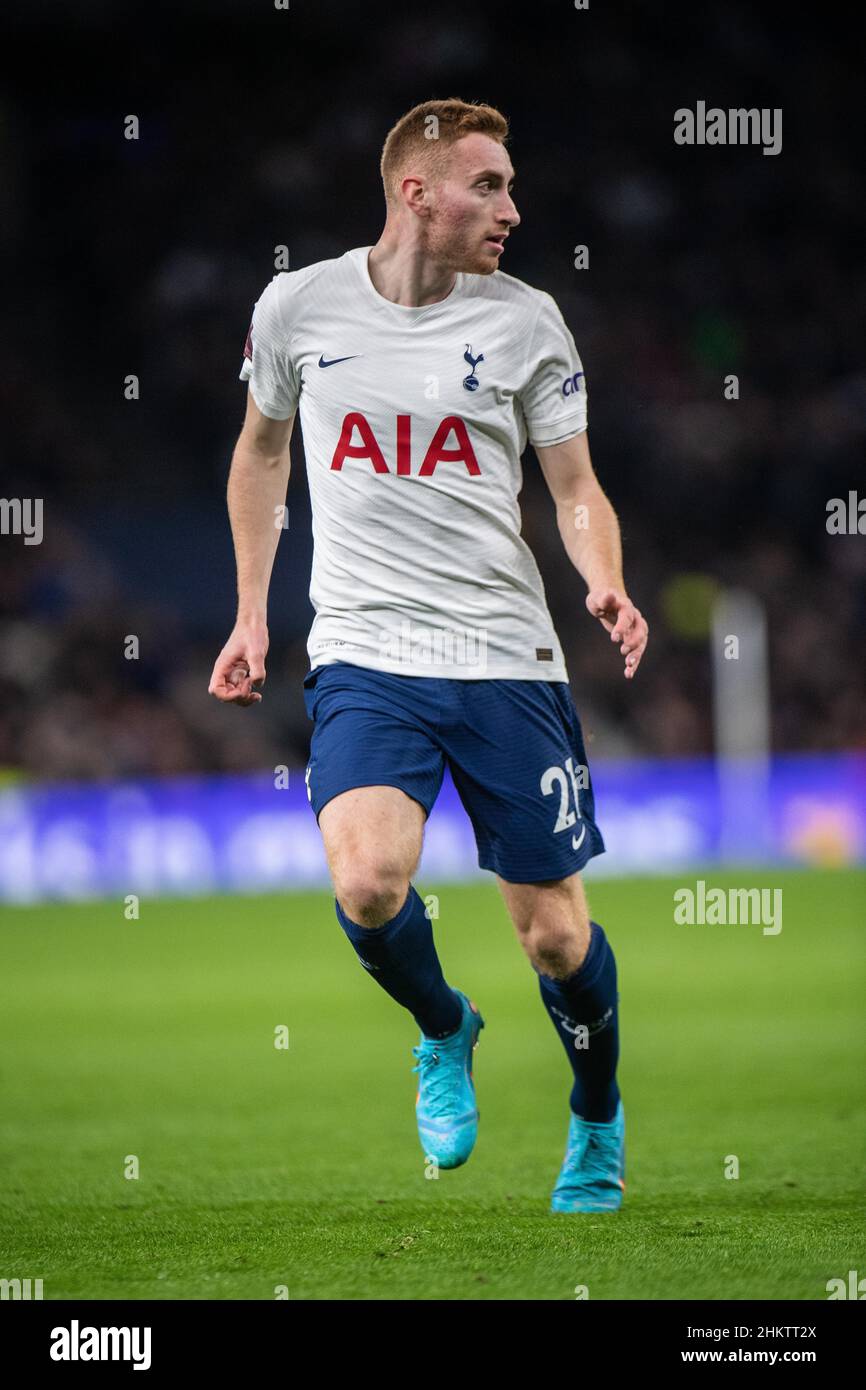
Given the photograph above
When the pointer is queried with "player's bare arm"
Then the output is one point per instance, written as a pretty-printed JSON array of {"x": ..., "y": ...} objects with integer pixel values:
[
  {"x": 590, "y": 533},
  {"x": 257, "y": 485}
]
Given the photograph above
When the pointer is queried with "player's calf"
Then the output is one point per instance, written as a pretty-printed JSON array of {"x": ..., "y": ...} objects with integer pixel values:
[{"x": 401, "y": 956}]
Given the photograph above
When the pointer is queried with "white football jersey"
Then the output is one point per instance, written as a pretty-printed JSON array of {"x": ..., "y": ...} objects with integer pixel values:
[{"x": 414, "y": 421}]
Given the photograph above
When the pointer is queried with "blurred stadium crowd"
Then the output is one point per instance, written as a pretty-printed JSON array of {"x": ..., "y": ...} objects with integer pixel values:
[{"x": 146, "y": 256}]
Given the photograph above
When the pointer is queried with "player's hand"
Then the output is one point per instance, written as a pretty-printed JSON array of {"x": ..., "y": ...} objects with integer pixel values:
[
  {"x": 240, "y": 666},
  {"x": 618, "y": 616}
]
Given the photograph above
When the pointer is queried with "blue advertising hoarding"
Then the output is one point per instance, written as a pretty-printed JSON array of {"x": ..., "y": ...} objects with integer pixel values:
[{"x": 192, "y": 836}]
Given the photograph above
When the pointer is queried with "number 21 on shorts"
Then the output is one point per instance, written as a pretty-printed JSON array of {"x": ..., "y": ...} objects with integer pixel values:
[{"x": 568, "y": 781}]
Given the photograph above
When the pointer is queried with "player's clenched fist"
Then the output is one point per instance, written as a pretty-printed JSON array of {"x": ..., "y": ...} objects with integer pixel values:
[
  {"x": 625, "y": 623},
  {"x": 240, "y": 666}
]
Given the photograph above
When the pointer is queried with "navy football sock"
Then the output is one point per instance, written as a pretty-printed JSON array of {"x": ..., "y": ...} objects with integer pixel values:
[
  {"x": 401, "y": 956},
  {"x": 589, "y": 997}
]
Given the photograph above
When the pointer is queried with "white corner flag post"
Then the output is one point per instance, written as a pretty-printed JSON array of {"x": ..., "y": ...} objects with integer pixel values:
[{"x": 741, "y": 716}]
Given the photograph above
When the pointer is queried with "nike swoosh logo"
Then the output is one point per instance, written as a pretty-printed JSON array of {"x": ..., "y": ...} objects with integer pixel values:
[
  {"x": 334, "y": 360},
  {"x": 575, "y": 842}
]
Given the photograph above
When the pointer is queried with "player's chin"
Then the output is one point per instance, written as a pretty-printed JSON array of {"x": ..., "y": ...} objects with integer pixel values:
[{"x": 486, "y": 261}]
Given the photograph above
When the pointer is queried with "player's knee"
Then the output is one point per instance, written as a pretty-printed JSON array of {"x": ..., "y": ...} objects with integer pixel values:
[
  {"x": 554, "y": 931},
  {"x": 555, "y": 948},
  {"x": 371, "y": 894}
]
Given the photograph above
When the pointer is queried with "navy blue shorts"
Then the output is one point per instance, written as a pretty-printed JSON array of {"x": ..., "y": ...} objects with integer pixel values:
[{"x": 514, "y": 750}]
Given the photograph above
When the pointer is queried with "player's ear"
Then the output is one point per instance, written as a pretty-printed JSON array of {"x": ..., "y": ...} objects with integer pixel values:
[{"x": 415, "y": 194}]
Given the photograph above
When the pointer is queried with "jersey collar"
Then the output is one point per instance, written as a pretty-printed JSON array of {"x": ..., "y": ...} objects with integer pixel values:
[{"x": 404, "y": 313}]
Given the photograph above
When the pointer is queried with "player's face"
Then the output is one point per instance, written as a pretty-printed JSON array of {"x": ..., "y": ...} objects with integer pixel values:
[{"x": 471, "y": 207}]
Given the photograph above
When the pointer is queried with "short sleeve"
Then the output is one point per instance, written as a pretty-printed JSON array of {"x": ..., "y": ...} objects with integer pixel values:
[
  {"x": 554, "y": 396},
  {"x": 267, "y": 363}
]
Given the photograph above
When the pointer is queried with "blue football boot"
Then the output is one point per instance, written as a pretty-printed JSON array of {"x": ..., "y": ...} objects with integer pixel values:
[
  {"x": 592, "y": 1177},
  {"x": 445, "y": 1105}
]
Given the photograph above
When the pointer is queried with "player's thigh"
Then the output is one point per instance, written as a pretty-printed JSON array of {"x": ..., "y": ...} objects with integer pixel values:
[
  {"x": 372, "y": 838},
  {"x": 552, "y": 921},
  {"x": 374, "y": 772}
]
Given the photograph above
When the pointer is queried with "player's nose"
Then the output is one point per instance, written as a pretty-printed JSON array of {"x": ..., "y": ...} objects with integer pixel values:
[{"x": 508, "y": 213}]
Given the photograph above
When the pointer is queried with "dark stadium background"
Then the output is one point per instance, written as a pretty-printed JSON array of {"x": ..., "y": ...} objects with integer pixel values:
[{"x": 260, "y": 128}]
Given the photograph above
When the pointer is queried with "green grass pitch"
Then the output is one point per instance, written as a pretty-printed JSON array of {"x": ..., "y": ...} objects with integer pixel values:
[{"x": 301, "y": 1167}]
